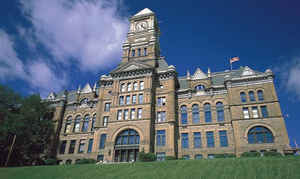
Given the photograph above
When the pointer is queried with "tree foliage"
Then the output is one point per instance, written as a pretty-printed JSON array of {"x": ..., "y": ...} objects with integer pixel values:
[{"x": 29, "y": 119}]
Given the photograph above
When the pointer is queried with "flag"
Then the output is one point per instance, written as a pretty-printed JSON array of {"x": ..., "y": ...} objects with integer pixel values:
[{"x": 234, "y": 59}]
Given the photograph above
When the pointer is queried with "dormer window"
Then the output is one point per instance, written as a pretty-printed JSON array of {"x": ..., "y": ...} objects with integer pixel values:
[
  {"x": 200, "y": 88},
  {"x": 133, "y": 53}
]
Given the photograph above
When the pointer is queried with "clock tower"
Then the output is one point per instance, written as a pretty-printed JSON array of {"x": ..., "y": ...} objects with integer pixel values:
[{"x": 142, "y": 43}]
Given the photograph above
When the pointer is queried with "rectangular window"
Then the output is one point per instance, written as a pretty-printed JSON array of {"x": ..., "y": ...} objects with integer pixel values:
[
  {"x": 133, "y": 53},
  {"x": 139, "y": 52},
  {"x": 123, "y": 88},
  {"x": 140, "y": 111},
  {"x": 81, "y": 146},
  {"x": 134, "y": 99},
  {"x": 68, "y": 127},
  {"x": 210, "y": 139},
  {"x": 161, "y": 101},
  {"x": 107, "y": 107},
  {"x": 72, "y": 146},
  {"x": 141, "y": 85},
  {"x": 102, "y": 141},
  {"x": 132, "y": 114},
  {"x": 62, "y": 147},
  {"x": 198, "y": 156},
  {"x": 141, "y": 98},
  {"x": 210, "y": 156},
  {"x": 160, "y": 156},
  {"x": 255, "y": 112},
  {"x": 105, "y": 121},
  {"x": 126, "y": 114},
  {"x": 207, "y": 116},
  {"x": 135, "y": 86},
  {"x": 128, "y": 99},
  {"x": 264, "y": 111},
  {"x": 223, "y": 138},
  {"x": 197, "y": 140},
  {"x": 186, "y": 157},
  {"x": 100, "y": 157},
  {"x": 185, "y": 140},
  {"x": 90, "y": 147},
  {"x": 121, "y": 100},
  {"x": 246, "y": 113},
  {"x": 119, "y": 115},
  {"x": 161, "y": 138},
  {"x": 145, "y": 51},
  {"x": 129, "y": 87},
  {"x": 161, "y": 116}
]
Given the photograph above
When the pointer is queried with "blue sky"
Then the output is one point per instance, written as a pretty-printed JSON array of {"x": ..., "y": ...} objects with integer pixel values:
[{"x": 59, "y": 44}]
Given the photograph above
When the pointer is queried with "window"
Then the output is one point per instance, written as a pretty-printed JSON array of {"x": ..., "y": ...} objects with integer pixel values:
[
  {"x": 123, "y": 88},
  {"x": 210, "y": 139},
  {"x": 129, "y": 87},
  {"x": 72, "y": 146},
  {"x": 69, "y": 161},
  {"x": 161, "y": 138},
  {"x": 195, "y": 113},
  {"x": 185, "y": 140},
  {"x": 255, "y": 112},
  {"x": 197, "y": 140},
  {"x": 207, "y": 112},
  {"x": 93, "y": 122},
  {"x": 259, "y": 135},
  {"x": 186, "y": 157},
  {"x": 121, "y": 100},
  {"x": 184, "y": 115},
  {"x": 141, "y": 98},
  {"x": 161, "y": 116},
  {"x": 105, "y": 121},
  {"x": 119, "y": 115},
  {"x": 161, "y": 101},
  {"x": 200, "y": 87},
  {"x": 243, "y": 97},
  {"x": 126, "y": 114},
  {"x": 145, "y": 51},
  {"x": 100, "y": 157},
  {"x": 68, "y": 125},
  {"x": 62, "y": 147},
  {"x": 128, "y": 137},
  {"x": 260, "y": 95},
  {"x": 134, "y": 99},
  {"x": 133, "y": 53},
  {"x": 141, "y": 85},
  {"x": 140, "y": 111},
  {"x": 223, "y": 138},
  {"x": 246, "y": 113},
  {"x": 210, "y": 156},
  {"x": 90, "y": 147},
  {"x": 85, "y": 125},
  {"x": 77, "y": 124},
  {"x": 264, "y": 111},
  {"x": 139, "y": 52},
  {"x": 102, "y": 141},
  {"x": 251, "y": 96},
  {"x": 132, "y": 114},
  {"x": 107, "y": 107},
  {"x": 81, "y": 146},
  {"x": 220, "y": 111},
  {"x": 128, "y": 99},
  {"x": 160, "y": 156},
  {"x": 198, "y": 156},
  {"x": 135, "y": 86}
]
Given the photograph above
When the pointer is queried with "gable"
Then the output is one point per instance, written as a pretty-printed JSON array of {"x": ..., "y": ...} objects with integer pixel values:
[{"x": 131, "y": 66}]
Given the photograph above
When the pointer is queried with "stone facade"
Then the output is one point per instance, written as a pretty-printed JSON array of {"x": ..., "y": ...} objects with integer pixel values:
[{"x": 142, "y": 105}]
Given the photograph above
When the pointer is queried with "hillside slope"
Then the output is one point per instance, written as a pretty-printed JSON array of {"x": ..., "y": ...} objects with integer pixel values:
[{"x": 240, "y": 168}]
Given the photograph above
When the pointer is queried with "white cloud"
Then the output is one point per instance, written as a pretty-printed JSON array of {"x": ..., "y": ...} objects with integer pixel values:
[{"x": 87, "y": 32}]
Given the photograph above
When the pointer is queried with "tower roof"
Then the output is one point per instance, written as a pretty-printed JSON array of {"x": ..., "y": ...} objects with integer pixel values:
[{"x": 145, "y": 11}]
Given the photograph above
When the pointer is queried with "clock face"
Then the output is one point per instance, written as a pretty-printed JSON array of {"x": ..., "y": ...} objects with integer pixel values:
[{"x": 141, "y": 26}]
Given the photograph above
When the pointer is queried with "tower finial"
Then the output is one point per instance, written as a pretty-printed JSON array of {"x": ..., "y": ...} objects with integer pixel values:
[
  {"x": 208, "y": 72},
  {"x": 188, "y": 75}
]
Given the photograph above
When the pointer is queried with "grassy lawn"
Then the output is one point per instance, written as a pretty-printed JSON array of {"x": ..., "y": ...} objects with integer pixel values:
[{"x": 231, "y": 168}]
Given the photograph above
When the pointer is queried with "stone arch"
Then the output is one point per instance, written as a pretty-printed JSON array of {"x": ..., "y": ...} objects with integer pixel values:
[{"x": 259, "y": 124}]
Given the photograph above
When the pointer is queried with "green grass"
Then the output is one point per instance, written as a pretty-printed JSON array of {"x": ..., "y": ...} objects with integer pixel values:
[{"x": 231, "y": 168}]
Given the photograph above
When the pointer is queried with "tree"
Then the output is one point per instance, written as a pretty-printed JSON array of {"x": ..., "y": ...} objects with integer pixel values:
[{"x": 30, "y": 120}]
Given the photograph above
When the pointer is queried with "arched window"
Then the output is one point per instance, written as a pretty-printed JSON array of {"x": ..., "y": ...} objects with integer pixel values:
[
  {"x": 128, "y": 137},
  {"x": 260, "y": 95},
  {"x": 251, "y": 96},
  {"x": 85, "y": 125},
  {"x": 243, "y": 97},
  {"x": 207, "y": 112},
  {"x": 77, "y": 124},
  {"x": 195, "y": 113},
  {"x": 184, "y": 115},
  {"x": 68, "y": 125},
  {"x": 200, "y": 87},
  {"x": 259, "y": 135},
  {"x": 220, "y": 111},
  {"x": 93, "y": 122}
]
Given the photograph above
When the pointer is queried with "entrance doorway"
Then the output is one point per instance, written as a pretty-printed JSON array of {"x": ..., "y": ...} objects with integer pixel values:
[{"x": 127, "y": 146}]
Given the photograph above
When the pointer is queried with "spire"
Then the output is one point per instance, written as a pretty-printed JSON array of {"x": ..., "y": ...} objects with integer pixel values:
[
  {"x": 79, "y": 89},
  {"x": 208, "y": 73},
  {"x": 188, "y": 75},
  {"x": 95, "y": 86},
  {"x": 87, "y": 89}
]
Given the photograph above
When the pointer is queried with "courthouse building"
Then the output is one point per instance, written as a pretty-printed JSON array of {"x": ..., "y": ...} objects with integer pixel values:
[{"x": 143, "y": 105}]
